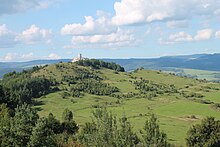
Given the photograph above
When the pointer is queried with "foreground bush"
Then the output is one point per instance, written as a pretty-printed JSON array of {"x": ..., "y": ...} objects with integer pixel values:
[
  {"x": 106, "y": 130},
  {"x": 206, "y": 134}
]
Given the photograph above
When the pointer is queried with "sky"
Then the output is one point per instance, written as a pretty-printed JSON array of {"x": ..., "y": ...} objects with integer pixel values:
[{"x": 55, "y": 29}]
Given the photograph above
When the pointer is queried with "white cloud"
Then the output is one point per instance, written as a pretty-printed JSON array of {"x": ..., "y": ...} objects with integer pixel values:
[
  {"x": 217, "y": 34},
  {"x": 177, "y": 38},
  {"x": 4, "y": 30},
  {"x": 17, "y": 6},
  {"x": 18, "y": 57},
  {"x": 34, "y": 35},
  {"x": 149, "y": 30},
  {"x": 53, "y": 56},
  {"x": 180, "y": 37},
  {"x": 128, "y": 12},
  {"x": 101, "y": 25},
  {"x": 97, "y": 33},
  {"x": 205, "y": 34},
  {"x": 7, "y": 37},
  {"x": 114, "y": 40},
  {"x": 9, "y": 56},
  {"x": 177, "y": 24},
  {"x": 28, "y": 56},
  {"x": 119, "y": 36}
]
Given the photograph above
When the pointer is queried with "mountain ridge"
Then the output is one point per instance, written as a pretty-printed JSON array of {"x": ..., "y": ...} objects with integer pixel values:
[{"x": 196, "y": 61}]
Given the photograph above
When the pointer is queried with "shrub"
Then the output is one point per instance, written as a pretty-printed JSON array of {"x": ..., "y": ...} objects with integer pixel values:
[{"x": 205, "y": 134}]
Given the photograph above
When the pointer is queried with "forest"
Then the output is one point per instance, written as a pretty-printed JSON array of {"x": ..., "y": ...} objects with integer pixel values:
[{"x": 97, "y": 64}]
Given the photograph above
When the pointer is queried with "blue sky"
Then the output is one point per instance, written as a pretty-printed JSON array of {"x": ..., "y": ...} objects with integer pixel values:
[{"x": 53, "y": 29}]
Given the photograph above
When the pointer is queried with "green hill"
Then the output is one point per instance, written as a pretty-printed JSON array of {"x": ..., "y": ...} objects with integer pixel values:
[{"x": 178, "y": 102}]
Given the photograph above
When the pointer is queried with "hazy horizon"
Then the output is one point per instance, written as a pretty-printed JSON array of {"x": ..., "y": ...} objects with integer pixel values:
[{"x": 114, "y": 58}]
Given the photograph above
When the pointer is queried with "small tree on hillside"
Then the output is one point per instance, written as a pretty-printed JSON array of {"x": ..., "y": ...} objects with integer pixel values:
[
  {"x": 126, "y": 136},
  {"x": 152, "y": 136},
  {"x": 205, "y": 134},
  {"x": 67, "y": 115},
  {"x": 54, "y": 124},
  {"x": 69, "y": 125}
]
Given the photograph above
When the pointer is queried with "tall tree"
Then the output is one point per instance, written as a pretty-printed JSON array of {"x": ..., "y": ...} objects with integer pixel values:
[
  {"x": 2, "y": 95},
  {"x": 22, "y": 124},
  {"x": 126, "y": 136},
  {"x": 152, "y": 136},
  {"x": 5, "y": 126},
  {"x": 42, "y": 135}
]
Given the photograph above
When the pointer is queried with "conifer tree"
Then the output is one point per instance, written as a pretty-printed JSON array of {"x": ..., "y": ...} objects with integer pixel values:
[
  {"x": 22, "y": 124},
  {"x": 42, "y": 135},
  {"x": 152, "y": 136}
]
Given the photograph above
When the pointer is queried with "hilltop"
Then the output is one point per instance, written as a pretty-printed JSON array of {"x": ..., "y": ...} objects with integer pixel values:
[
  {"x": 202, "y": 66},
  {"x": 84, "y": 86}
]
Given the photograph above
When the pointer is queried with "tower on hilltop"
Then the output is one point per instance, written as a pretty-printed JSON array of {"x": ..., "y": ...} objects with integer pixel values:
[{"x": 78, "y": 58}]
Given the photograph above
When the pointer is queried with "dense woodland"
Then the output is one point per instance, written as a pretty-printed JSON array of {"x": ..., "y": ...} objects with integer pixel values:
[
  {"x": 20, "y": 125},
  {"x": 97, "y": 64}
]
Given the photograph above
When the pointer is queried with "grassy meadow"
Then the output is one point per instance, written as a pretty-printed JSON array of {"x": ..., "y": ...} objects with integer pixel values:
[
  {"x": 200, "y": 74},
  {"x": 175, "y": 112}
]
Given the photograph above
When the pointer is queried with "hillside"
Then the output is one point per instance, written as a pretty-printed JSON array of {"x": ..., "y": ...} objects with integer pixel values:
[{"x": 177, "y": 101}]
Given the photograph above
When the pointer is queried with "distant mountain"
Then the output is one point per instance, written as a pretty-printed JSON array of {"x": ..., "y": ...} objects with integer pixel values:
[
  {"x": 198, "y": 61},
  {"x": 6, "y": 67}
]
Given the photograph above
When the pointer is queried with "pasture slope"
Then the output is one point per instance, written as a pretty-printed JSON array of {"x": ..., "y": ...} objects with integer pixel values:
[{"x": 182, "y": 102}]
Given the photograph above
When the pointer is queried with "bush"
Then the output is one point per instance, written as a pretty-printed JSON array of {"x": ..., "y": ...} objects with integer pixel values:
[
  {"x": 105, "y": 130},
  {"x": 216, "y": 106},
  {"x": 205, "y": 134}
]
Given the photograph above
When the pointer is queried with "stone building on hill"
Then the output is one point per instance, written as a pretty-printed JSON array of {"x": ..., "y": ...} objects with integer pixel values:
[{"x": 78, "y": 58}]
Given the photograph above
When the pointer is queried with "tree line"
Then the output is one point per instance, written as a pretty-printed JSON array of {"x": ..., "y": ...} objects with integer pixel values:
[
  {"x": 97, "y": 64},
  {"x": 19, "y": 88},
  {"x": 25, "y": 128},
  {"x": 93, "y": 87}
]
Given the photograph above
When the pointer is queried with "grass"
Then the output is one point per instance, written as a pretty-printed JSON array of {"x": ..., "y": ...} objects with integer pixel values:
[
  {"x": 213, "y": 96},
  {"x": 173, "y": 110},
  {"x": 201, "y": 74},
  {"x": 164, "y": 78}
]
